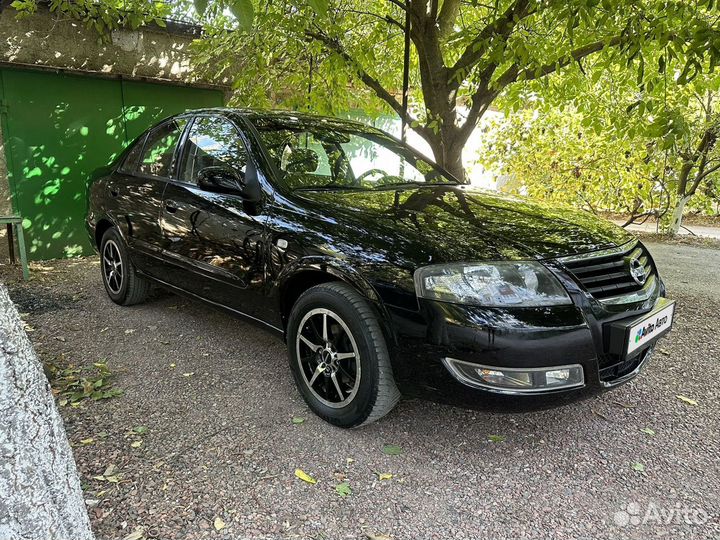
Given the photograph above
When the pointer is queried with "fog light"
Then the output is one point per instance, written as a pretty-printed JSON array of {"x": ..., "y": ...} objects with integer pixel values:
[
  {"x": 496, "y": 377},
  {"x": 516, "y": 380}
]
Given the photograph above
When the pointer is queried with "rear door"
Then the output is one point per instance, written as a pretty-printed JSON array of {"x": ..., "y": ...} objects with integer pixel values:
[
  {"x": 137, "y": 189},
  {"x": 213, "y": 246}
]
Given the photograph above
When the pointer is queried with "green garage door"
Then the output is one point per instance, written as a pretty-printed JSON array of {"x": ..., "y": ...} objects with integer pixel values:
[{"x": 58, "y": 129}]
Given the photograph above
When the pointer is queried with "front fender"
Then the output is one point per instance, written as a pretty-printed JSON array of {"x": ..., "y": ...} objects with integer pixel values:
[{"x": 336, "y": 270}]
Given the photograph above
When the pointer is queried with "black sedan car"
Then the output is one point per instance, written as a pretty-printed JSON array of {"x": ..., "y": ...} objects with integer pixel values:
[{"x": 384, "y": 274}]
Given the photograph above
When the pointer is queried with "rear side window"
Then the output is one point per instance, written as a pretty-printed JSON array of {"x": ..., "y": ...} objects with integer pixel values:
[
  {"x": 160, "y": 148},
  {"x": 133, "y": 156}
]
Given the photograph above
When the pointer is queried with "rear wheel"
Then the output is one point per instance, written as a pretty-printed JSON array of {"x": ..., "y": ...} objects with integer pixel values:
[
  {"x": 121, "y": 281},
  {"x": 339, "y": 357}
]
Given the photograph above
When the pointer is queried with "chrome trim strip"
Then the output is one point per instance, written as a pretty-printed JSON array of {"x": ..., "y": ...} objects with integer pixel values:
[
  {"x": 630, "y": 298},
  {"x": 464, "y": 379},
  {"x": 627, "y": 246}
]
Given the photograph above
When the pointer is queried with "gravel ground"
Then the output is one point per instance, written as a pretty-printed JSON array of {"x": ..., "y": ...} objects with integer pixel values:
[{"x": 218, "y": 400}]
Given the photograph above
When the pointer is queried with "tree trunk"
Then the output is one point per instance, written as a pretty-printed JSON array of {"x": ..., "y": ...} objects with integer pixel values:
[
  {"x": 40, "y": 495},
  {"x": 452, "y": 161},
  {"x": 677, "y": 215},
  {"x": 447, "y": 154}
]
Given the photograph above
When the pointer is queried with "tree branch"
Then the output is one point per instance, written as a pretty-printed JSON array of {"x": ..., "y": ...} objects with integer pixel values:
[
  {"x": 448, "y": 13},
  {"x": 480, "y": 102},
  {"x": 706, "y": 173},
  {"x": 399, "y": 4},
  {"x": 706, "y": 144},
  {"x": 515, "y": 72},
  {"x": 386, "y": 18},
  {"x": 502, "y": 26},
  {"x": 334, "y": 46}
]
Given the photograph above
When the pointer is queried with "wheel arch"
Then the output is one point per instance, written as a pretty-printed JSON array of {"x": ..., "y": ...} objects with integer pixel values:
[
  {"x": 101, "y": 228},
  {"x": 309, "y": 272}
]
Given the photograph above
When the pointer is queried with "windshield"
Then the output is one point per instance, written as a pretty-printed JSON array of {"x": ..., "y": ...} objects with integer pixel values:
[{"x": 332, "y": 157}]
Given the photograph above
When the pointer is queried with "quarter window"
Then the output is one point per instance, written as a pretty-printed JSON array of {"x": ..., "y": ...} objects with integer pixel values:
[
  {"x": 131, "y": 160},
  {"x": 212, "y": 142},
  {"x": 160, "y": 148}
]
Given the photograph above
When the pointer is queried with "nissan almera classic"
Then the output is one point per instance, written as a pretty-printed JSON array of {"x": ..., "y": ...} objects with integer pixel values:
[{"x": 384, "y": 275}]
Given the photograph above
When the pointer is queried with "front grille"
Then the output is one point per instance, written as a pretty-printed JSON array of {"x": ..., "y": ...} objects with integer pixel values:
[{"x": 606, "y": 273}]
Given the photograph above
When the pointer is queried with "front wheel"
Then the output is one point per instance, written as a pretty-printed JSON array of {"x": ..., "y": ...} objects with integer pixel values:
[
  {"x": 121, "y": 281},
  {"x": 339, "y": 357}
]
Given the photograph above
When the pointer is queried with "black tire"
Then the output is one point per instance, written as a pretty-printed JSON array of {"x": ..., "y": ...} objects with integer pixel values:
[
  {"x": 354, "y": 333},
  {"x": 126, "y": 287}
]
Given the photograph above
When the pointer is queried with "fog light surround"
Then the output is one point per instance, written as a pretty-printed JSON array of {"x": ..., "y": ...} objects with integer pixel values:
[{"x": 516, "y": 380}]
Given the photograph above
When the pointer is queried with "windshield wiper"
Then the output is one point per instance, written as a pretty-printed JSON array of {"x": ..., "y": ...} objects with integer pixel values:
[
  {"x": 332, "y": 188},
  {"x": 414, "y": 183}
]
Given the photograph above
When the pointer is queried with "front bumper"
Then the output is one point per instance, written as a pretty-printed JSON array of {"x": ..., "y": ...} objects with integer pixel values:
[{"x": 520, "y": 338}]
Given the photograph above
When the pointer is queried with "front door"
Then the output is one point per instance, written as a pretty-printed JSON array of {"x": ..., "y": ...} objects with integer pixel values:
[{"x": 214, "y": 248}]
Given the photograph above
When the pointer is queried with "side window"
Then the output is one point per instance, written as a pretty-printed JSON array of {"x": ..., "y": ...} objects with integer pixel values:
[
  {"x": 212, "y": 142},
  {"x": 133, "y": 156},
  {"x": 160, "y": 148}
]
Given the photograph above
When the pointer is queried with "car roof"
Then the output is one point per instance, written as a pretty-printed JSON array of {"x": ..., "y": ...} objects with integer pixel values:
[{"x": 267, "y": 118}]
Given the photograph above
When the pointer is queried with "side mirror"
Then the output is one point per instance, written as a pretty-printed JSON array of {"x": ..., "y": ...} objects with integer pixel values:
[
  {"x": 220, "y": 180},
  {"x": 251, "y": 190}
]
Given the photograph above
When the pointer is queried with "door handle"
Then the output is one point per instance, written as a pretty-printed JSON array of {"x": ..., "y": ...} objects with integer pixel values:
[{"x": 171, "y": 206}]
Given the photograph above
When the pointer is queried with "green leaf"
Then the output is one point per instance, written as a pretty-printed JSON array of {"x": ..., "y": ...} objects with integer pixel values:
[
  {"x": 343, "y": 489},
  {"x": 298, "y": 420},
  {"x": 392, "y": 450},
  {"x": 140, "y": 429},
  {"x": 200, "y": 6},
  {"x": 496, "y": 438},
  {"x": 244, "y": 13},
  {"x": 648, "y": 431},
  {"x": 319, "y": 6},
  {"x": 637, "y": 466}
]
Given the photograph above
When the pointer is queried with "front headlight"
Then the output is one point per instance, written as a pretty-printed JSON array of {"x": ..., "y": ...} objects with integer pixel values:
[{"x": 493, "y": 284}]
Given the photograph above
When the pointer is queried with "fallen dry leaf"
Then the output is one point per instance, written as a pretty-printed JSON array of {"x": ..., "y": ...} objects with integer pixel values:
[
  {"x": 305, "y": 477},
  {"x": 686, "y": 399},
  {"x": 219, "y": 524},
  {"x": 625, "y": 405},
  {"x": 137, "y": 534}
]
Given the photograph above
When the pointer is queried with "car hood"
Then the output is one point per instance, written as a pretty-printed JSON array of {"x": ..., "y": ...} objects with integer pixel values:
[{"x": 458, "y": 223}]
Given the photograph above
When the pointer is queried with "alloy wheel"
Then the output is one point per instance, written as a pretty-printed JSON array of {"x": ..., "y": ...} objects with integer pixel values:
[
  {"x": 112, "y": 267},
  {"x": 328, "y": 357}
]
